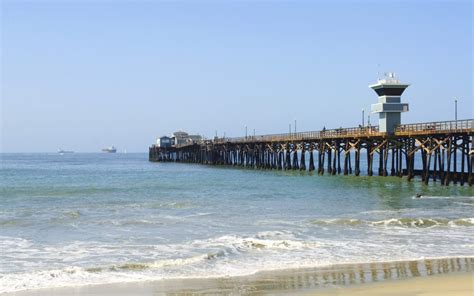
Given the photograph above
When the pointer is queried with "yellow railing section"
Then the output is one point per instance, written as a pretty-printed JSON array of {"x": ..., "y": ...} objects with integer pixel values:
[
  {"x": 458, "y": 126},
  {"x": 428, "y": 128},
  {"x": 314, "y": 135},
  {"x": 425, "y": 128}
]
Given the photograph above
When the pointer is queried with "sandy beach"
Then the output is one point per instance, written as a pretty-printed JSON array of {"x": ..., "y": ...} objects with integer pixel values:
[
  {"x": 424, "y": 277},
  {"x": 458, "y": 284}
]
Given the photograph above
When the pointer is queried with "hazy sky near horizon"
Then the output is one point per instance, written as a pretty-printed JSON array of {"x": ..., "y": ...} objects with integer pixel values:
[{"x": 84, "y": 75}]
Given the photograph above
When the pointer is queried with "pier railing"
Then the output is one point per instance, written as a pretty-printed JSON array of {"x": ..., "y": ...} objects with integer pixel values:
[
  {"x": 453, "y": 126},
  {"x": 367, "y": 131},
  {"x": 425, "y": 128}
]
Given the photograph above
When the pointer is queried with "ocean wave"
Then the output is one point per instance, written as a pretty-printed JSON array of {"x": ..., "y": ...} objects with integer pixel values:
[
  {"x": 401, "y": 222},
  {"x": 225, "y": 255},
  {"x": 73, "y": 214},
  {"x": 197, "y": 256},
  {"x": 464, "y": 203},
  {"x": 15, "y": 222},
  {"x": 268, "y": 240},
  {"x": 139, "y": 266},
  {"x": 443, "y": 197},
  {"x": 7, "y": 242},
  {"x": 66, "y": 216},
  {"x": 69, "y": 276},
  {"x": 120, "y": 272},
  {"x": 167, "y": 205},
  {"x": 133, "y": 222},
  {"x": 133, "y": 272}
]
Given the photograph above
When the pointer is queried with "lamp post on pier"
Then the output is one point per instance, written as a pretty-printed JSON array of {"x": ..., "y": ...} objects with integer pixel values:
[
  {"x": 245, "y": 132},
  {"x": 456, "y": 112},
  {"x": 363, "y": 111}
]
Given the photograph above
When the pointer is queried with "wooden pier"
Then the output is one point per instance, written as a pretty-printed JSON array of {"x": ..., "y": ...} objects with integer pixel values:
[{"x": 445, "y": 151}]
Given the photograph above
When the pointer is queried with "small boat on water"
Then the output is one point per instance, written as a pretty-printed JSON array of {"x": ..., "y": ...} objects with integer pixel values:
[
  {"x": 110, "y": 149},
  {"x": 61, "y": 151}
]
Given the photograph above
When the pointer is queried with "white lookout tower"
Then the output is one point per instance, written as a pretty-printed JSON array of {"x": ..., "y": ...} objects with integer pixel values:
[{"x": 389, "y": 106}]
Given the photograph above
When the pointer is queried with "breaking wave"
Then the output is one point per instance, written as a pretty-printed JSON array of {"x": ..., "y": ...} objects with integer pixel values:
[
  {"x": 224, "y": 247},
  {"x": 401, "y": 222}
]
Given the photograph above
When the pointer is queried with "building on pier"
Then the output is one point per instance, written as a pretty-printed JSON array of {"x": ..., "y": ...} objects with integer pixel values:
[
  {"x": 181, "y": 137},
  {"x": 178, "y": 138},
  {"x": 164, "y": 142},
  {"x": 389, "y": 106}
]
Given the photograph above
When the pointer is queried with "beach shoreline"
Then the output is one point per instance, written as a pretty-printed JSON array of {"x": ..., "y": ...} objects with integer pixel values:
[
  {"x": 426, "y": 276},
  {"x": 455, "y": 284}
]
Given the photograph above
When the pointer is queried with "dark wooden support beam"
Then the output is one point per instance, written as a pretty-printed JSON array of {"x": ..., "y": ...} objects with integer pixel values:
[
  {"x": 470, "y": 165},
  {"x": 447, "y": 177},
  {"x": 423, "y": 163},
  {"x": 329, "y": 165},
  {"x": 346, "y": 158},
  {"x": 385, "y": 160},
  {"x": 463, "y": 157},
  {"x": 295, "y": 157},
  {"x": 369, "y": 154},
  {"x": 400, "y": 160},
  {"x": 442, "y": 165},
  {"x": 435, "y": 162},
  {"x": 303, "y": 159},
  {"x": 350, "y": 162},
  {"x": 323, "y": 157},
  {"x": 311, "y": 157},
  {"x": 392, "y": 167},
  {"x": 381, "y": 160},
  {"x": 320, "y": 159},
  {"x": 339, "y": 149},
  {"x": 357, "y": 160},
  {"x": 280, "y": 160},
  {"x": 455, "y": 160},
  {"x": 427, "y": 173}
]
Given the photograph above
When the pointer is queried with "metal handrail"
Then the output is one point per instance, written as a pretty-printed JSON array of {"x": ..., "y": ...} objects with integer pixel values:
[
  {"x": 311, "y": 135},
  {"x": 438, "y": 126},
  {"x": 466, "y": 125}
]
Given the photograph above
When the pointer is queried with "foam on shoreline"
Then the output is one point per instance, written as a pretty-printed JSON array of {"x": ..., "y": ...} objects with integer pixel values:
[{"x": 277, "y": 281}]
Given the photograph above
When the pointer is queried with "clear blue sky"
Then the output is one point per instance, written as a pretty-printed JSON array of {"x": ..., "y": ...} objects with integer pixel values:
[{"x": 83, "y": 75}]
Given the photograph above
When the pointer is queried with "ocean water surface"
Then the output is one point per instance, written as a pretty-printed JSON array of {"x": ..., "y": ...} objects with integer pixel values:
[{"x": 79, "y": 219}]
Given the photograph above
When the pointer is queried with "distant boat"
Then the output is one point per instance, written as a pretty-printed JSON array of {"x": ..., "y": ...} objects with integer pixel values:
[
  {"x": 61, "y": 151},
  {"x": 111, "y": 149}
]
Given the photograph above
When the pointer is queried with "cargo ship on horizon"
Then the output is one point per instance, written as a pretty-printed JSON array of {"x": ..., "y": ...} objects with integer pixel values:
[
  {"x": 61, "y": 151},
  {"x": 110, "y": 149}
]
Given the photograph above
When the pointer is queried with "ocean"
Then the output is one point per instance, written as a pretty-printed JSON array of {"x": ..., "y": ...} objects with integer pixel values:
[{"x": 77, "y": 219}]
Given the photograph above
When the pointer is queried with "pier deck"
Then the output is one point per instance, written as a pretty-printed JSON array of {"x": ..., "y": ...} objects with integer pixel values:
[{"x": 445, "y": 151}]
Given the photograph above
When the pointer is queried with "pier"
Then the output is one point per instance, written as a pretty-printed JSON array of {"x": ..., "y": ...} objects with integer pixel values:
[{"x": 445, "y": 149}]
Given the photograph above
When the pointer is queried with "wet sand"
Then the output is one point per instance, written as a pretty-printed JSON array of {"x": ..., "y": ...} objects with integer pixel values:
[
  {"x": 458, "y": 284},
  {"x": 453, "y": 276}
]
